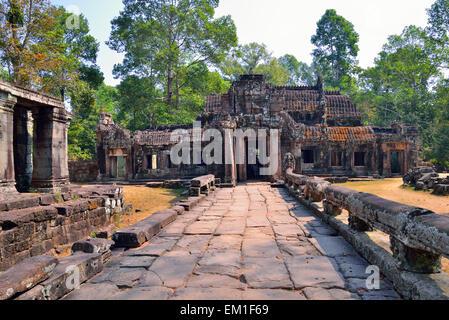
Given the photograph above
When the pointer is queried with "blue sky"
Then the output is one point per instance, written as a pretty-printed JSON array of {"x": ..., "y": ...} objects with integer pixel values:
[{"x": 285, "y": 26}]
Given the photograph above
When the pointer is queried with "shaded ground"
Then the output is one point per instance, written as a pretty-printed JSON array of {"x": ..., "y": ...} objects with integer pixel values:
[
  {"x": 252, "y": 243},
  {"x": 393, "y": 190},
  {"x": 147, "y": 201}
]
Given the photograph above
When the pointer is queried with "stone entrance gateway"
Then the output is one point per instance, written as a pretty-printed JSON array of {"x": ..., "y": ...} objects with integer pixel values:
[{"x": 33, "y": 140}]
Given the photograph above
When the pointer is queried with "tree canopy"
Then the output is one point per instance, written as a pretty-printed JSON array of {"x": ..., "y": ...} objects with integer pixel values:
[
  {"x": 336, "y": 49},
  {"x": 165, "y": 43}
]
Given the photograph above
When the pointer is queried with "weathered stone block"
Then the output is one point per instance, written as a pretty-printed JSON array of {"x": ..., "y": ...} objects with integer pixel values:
[
  {"x": 69, "y": 274},
  {"x": 180, "y": 210},
  {"x": 26, "y": 275},
  {"x": 96, "y": 245},
  {"x": 136, "y": 235}
]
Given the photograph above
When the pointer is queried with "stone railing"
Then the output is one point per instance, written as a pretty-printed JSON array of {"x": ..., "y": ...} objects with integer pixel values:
[
  {"x": 202, "y": 185},
  {"x": 418, "y": 237}
]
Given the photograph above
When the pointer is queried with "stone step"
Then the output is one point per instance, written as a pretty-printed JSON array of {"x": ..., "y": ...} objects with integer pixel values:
[{"x": 136, "y": 235}]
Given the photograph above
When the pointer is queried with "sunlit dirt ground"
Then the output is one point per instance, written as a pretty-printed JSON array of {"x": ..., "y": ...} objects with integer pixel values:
[
  {"x": 147, "y": 201},
  {"x": 392, "y": 189}
]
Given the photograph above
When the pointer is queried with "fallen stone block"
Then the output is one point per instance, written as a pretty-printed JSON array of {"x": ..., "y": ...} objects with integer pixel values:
[
  {"x": 47, "y": 199},
  {"x": 96, "y": 245},
  {"x": 138, "y": 234},
  {"x": 69, "y": 274},
  {"x": 180, "y": 210},
  {"x": 26, "y": 275}
]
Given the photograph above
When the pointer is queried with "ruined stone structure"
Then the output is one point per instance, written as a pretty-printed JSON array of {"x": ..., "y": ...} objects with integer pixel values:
[
  {"x": 33, "y": 159},
  {"x": 321, "y": 129},
  {"x": 33, "y": 140},
  {"x": 426, "y": 178}
]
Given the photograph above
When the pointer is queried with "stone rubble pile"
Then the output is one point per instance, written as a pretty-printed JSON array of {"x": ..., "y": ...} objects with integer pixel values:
[{"x": 426, "y": 178}]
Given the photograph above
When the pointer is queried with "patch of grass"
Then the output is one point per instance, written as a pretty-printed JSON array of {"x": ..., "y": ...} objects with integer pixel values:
[
  {"x": 117, "y": 221},
  {"x": 58, "y": 196}
]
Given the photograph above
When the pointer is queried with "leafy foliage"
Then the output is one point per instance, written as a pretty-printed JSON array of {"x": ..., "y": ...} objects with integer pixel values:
[
  {"x": 166, "y": 42},
  {"x": 336, "y": 50}
]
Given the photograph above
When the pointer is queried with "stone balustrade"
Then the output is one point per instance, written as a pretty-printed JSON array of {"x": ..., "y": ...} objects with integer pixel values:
[
  {"x": 202, "y": 185},
  {"x": 418, "y": 237}
]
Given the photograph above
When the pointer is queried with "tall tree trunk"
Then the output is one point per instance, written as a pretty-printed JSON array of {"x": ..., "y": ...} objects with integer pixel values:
[
  {"x": 177, "y": 91},
  {"x": 170, "y": 87}
]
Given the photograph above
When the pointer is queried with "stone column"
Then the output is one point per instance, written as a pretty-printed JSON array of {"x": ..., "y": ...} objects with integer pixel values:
[
  {"x": 23, "y": 136},
  {"x": 241, "y": 168},
  {"x": 7, "y": 176},
  {"x": 50, "y": 163},
  {"x": 230, "y": 167},
  {"x": 297, "y": 153}
]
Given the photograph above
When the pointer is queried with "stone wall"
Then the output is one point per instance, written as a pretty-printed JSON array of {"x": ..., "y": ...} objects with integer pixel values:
[
  {"x": 34, "y": 225},
  {"x": 83, "y": 170}
]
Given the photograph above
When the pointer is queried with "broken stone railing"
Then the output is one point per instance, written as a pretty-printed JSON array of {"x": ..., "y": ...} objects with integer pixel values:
[
  {"x": 202, "y": 185},
  {"x": 418, "y": 237}
]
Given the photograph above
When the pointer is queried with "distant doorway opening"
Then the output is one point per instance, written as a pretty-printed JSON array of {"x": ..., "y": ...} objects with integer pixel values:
[{"x": 395, "y": 164}]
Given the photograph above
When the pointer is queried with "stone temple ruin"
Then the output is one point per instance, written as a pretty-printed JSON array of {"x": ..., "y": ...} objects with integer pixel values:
[
  {"x": 39, "y": 209},
  {"x": 33, "y": 141},
  {"x": 304, "y": 239},
  {"x": 322, "y": 130}
]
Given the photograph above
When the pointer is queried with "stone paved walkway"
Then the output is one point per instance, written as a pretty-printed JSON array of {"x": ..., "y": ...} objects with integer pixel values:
[{"x": 252, "y": 243}]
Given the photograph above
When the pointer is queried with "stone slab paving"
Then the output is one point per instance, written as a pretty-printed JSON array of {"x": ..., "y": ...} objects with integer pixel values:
[{"x": 252, "y": 242}]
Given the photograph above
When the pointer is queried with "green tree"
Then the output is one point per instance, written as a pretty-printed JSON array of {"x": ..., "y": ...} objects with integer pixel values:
[
  {"x": 274, "y": 72},
  {"x": 244, "y": 60},
  {"x": 77, "y": 56},
  {"x": 28, "y": 43},
  {"x": 438, "y": 30},
  {"x": 399, "y": 86},
  {"x": 336, "y": 50},
  {"x": 40, "y": 51},
  {"x": 439, "y": 19},
  {"x": 439, "y": 152},
  {"x": 300, "y": 73},
  {"x": 164, "y": 40}
]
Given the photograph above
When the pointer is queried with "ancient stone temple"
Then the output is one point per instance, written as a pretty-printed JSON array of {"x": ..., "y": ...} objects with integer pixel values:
[
  {"x": 321, "y": 130},
  {"x": 33, "y": 140}
]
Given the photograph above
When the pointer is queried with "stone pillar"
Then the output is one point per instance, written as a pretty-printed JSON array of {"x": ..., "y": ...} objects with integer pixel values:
[
  {"x": 242, "y": 173},
  {"x": 23, "y": 140},
  {"x": 7, "y": 176},
  {"x": 415, "y": 260},
  {"x": 297, "y": 153},
  {"x": 230, "y": 167},
  {"x": 50, "y": 165}
]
